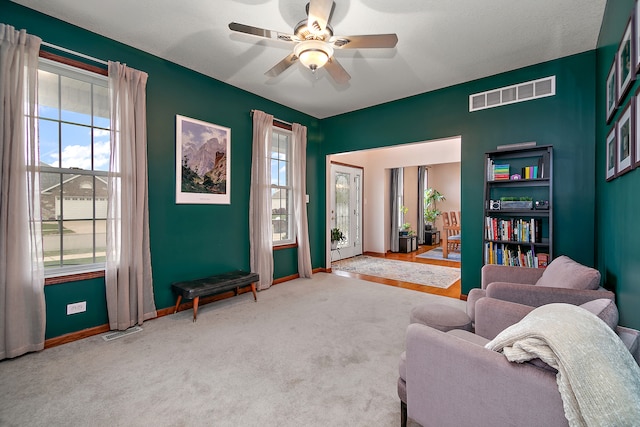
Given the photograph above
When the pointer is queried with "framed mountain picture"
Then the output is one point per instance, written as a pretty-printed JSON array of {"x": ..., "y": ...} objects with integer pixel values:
[{"x": 203, "y": 162}]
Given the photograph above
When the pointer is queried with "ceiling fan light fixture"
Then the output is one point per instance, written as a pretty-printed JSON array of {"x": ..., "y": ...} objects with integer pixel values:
[{"x": 313, "y": 54}]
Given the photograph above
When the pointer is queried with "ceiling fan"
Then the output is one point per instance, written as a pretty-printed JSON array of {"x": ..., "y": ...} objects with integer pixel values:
[{"x": 314, "y": 42}]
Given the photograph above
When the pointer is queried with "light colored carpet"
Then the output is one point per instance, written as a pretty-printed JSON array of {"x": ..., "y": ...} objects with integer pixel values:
[
  {"x": 311, "y": 352},
  {"x": 436, "y": 253},
  {"x": 412, "y": 272}
]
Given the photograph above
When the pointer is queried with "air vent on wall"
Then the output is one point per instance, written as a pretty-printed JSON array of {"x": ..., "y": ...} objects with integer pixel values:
[{"x": 511, "y": 94}]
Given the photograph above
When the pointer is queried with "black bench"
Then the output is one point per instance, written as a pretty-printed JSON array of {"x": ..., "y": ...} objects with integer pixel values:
[{"x": 213, "y": 285}]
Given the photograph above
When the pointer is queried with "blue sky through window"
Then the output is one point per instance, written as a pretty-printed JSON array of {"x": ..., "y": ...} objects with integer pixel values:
[{"x": 76, "y": 144}]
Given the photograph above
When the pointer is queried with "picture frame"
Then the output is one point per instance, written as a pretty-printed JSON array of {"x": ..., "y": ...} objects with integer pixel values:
[
  {"x": 203, "y": 162},
  {"x": 612, "y": 92},
  {"x": 625, "y": 136},
  {"x": 610, "y": 158},
  {"x": 636, "y": 114},
  {"x": 625, "y": 62},
  {"x": 636, "y": 29}
]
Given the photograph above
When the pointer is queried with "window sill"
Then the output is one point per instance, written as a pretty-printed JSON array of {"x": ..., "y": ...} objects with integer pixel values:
[
  {"x": 55, "y": 280},
  {"x": 287, "y": 246}
]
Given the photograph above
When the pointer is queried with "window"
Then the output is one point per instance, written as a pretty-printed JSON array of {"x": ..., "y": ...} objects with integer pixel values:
[
  {"x": 281, "y": 189},
  {"x": 73, "y": 131}
]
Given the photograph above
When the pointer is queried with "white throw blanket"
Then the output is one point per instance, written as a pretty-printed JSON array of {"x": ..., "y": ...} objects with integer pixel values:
[{"x": 598, "y": 379}]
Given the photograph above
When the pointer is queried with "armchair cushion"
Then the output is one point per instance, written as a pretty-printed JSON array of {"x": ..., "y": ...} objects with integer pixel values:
[
  {"x": 503, "y": 273},
  {"x": 563, "y": 272},
  {"x": 494, "y": 315},
  {"x": 537, "y": 296}
]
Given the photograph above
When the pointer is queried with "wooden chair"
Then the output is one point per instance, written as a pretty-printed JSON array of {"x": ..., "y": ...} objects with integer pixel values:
[
  {"x": 451, "y": 236},
  {"x": 454, "y": 218}
]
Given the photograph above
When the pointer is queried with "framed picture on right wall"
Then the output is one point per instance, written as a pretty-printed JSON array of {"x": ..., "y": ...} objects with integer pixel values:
[
  {"x": 636, "y": 142},
  {"x": 612, "y": 93},
  {"x": 625, "y": 62},
  {"x": 611, "y": 154},
  {"x": 625, "y": 134}
]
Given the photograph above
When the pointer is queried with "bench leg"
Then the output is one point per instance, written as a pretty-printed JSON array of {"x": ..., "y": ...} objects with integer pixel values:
[
  {"x": 177, "y": 304},
  {"x": 253, "y": 289},
  {"x": 195, "y": 308}
]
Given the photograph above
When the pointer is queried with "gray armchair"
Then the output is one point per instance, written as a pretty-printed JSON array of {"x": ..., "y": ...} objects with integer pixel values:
[
  {"x": 564, "y": 280},
  {"x": 450, "y": 379}
]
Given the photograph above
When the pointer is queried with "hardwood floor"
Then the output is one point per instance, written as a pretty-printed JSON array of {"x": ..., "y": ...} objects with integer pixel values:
[{"x": 452, "y": 291}]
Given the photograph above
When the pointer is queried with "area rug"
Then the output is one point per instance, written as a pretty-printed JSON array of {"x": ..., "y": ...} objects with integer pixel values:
[
  {"x": 412, "y": 272},
  {"x": 437, "y": 254}
]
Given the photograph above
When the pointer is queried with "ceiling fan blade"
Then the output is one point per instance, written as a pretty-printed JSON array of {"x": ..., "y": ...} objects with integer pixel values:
[
  {"x": 281, "y": 66},
  {"x": 368, "y": 41},
  {"x": 336, "y": 71},
  {"x": 319, "y": 13},
  {"x": 261, "y": 32}
]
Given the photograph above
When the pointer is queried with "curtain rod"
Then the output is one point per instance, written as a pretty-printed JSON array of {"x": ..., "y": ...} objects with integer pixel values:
[
  {"x": 73, "y": 52},
  {"x": 276, "y": 120}
]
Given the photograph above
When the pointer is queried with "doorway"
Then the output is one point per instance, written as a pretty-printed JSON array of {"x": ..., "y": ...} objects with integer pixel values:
[
  {"x": 444, "y": 158},
  {"x": 346, "y": 209}
]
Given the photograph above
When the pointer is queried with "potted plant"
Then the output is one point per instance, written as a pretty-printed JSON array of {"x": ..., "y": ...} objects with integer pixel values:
[
  {"x": 336, "y": 237},
  {"x": 406, "y": 227},
  {"x": 431, "y": 211}
]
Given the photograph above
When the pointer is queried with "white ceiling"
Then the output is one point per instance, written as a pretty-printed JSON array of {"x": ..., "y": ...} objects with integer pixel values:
[{"x": 440, "y": 42}]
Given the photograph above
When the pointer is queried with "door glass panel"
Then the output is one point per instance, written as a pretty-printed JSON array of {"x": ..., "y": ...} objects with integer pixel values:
[
  {"x": 342, "y": 206},
  {"x": 356, "y": 209}
]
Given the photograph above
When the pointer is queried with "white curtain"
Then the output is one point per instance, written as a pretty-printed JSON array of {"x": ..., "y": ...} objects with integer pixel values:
[
  {"x": 22, "y": 305},
  {"x": 299, "y": 198},
  {"x": 128, "y": 277},
  {"x": 260, "y": 228}
]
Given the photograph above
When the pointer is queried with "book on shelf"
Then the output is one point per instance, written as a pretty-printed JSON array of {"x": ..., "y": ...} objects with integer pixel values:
[
  {"x": 543, "y": 260},
  {"x": 532, "y": 172},
  {"x": 513, "y": 256},
  {"x": 497, "y": 172},
  {"x": 514, "y": 229},
  {"x": 500, "y": 172}
]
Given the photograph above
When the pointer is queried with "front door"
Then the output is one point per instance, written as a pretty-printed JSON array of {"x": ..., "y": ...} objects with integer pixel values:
[{"x": 346, "y": 209}]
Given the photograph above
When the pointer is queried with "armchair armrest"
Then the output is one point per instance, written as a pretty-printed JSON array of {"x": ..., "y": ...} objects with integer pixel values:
[
  {"x": 474, "y": 295},
  {"x": 503, "y": 273},
  {"x": 444, "y": 370},
  {"x": 537, "y": 296}
]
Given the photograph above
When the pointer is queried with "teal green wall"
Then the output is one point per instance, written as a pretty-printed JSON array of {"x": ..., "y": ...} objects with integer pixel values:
[
  {"x": 194, "y": 240},
  {"x": 618, "y": 203},
  {"x": 187, "y": 241},
  {"x": 57, "y": 298},
  {"x": 564, "y": 121}
]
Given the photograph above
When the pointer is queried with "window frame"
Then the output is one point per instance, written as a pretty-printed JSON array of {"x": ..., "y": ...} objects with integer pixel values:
[
  {"x": 285, "y": 129},
  {"x": 95, "y": 75}
]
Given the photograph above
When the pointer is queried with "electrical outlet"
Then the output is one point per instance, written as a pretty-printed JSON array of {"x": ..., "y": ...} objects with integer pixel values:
[{"x": 77, "y": 307}]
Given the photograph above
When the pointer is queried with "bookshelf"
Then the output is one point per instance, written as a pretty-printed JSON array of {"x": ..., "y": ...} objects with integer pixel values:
[{"x": 518, "y": 206}]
